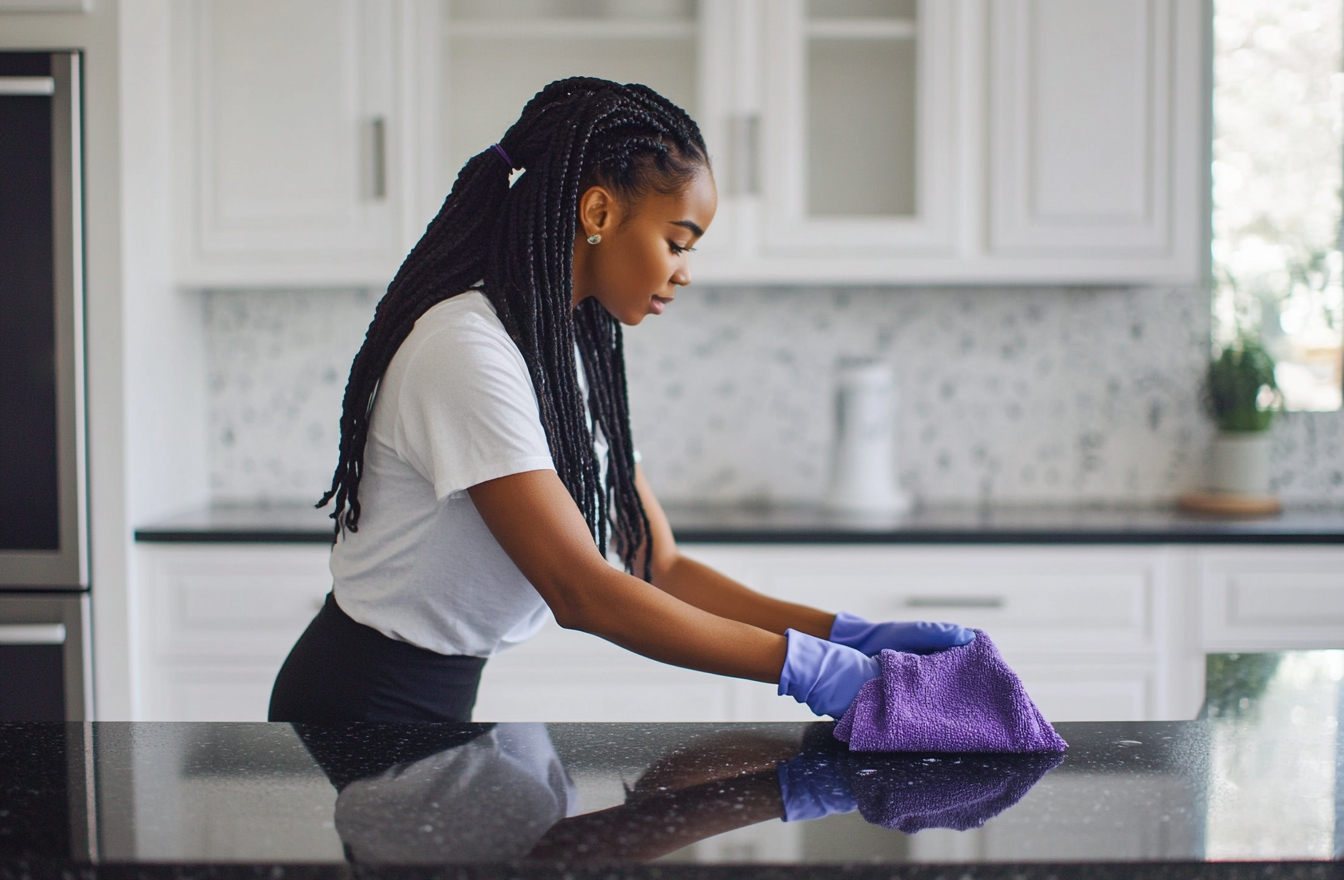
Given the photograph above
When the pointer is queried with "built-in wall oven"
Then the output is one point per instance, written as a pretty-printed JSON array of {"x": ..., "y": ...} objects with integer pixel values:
[{"x": 44, "y": 556}]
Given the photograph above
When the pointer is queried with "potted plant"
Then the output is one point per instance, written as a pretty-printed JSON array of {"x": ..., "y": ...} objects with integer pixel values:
[{"x": 1242, "y": 396}]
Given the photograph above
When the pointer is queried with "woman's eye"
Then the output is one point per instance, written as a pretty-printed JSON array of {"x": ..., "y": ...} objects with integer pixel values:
[{"x": 678, "y": 249}]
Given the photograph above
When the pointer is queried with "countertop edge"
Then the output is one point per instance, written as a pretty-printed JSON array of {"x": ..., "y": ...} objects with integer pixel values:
[
  {"x": 776, "y": 536},
  {"x": 60, "y": 869}
]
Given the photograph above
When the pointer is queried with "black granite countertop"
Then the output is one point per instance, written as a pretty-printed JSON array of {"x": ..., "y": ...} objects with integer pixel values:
[
  {"x": 1004, "y": 524},
  {"x": 1249, "y": 790}
]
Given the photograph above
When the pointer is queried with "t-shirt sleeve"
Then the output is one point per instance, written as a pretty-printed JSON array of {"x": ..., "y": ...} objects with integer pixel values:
[{"x": 467, "y": 411}]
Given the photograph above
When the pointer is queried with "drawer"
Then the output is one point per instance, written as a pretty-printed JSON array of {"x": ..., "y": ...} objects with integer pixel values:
[
  {"x": 1271, "y": 600},
  {"x": 1029, "y": 599},
  {"x": 234, "y": 603}
]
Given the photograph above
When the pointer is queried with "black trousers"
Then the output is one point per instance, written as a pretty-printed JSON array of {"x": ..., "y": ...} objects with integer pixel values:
[{"x": 341, "y": 671}]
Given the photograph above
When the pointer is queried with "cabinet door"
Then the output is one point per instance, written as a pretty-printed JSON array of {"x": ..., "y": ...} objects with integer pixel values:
[
  {"x": 1271, "y": 598},
  {"x": 1094, "y": 148},
  {"x": 292, "y": 127},
  {"x": 217, "y": 622},
  {"x": 860, "y": 126}
]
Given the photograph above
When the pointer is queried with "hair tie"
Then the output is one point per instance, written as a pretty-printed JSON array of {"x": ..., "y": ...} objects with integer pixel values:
[{"x": 503, "y": 155}]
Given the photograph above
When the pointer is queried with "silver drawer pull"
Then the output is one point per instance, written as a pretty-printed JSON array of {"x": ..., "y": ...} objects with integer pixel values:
[
  {"x": 32, "y": 634},
  {"x": 954, "y": 602}
]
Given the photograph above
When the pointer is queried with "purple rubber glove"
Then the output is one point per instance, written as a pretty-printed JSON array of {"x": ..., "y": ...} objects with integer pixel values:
[
  {"x": 911, "y": 637},
  {"x": 814, "y": 787},
  {"x": 824, "y": 675}
]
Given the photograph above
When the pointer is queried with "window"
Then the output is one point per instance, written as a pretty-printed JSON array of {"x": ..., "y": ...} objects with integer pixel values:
[{"x": 1278, "y": 114}]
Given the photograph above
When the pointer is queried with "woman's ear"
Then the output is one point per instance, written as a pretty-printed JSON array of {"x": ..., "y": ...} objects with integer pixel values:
[{"x": 597, "y": 210}]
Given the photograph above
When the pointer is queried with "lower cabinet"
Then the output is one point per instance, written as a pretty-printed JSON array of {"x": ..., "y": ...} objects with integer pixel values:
[{"x": 1096, "y": 632}]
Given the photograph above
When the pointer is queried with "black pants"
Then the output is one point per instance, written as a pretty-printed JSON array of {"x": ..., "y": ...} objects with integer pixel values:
[{"x": 341, "y": 670}]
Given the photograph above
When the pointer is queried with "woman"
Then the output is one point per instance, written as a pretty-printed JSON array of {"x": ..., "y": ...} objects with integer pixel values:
[{"x": 486, "y": 460}]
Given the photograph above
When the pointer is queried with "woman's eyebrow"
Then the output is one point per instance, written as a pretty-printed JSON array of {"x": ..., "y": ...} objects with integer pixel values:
[{"x": 687, "y": 224}]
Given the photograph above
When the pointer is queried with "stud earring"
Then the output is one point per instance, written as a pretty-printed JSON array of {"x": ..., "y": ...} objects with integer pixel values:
[{"x": 594, "y": 238}]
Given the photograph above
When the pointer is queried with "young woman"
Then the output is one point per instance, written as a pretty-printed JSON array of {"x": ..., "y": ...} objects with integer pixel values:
[{"x": 486, "y": 462}]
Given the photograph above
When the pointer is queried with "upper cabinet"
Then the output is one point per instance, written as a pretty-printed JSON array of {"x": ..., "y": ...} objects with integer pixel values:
[
  {"x": 854, "y": 141},
  {"x": 296, "y": 140}
]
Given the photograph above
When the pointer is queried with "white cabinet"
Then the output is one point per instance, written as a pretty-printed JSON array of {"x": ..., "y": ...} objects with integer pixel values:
[
  {"x": 296, "y": 129},
  {"x": 1096, "y": 632},
  {"x": 948, "y": 141},
  {"x": 1090, "y": 630},
  {"x": 216, "y": 621},
  {"x": 1094, "y": 130},
  {"x": 855, "y": 141},
  {"x": 1266, "y": 599}
]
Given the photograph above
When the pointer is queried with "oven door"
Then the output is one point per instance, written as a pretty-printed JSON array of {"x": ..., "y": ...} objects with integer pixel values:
[
  {"x": 44, "y": 656},
  {"x": 43, "y": 534}
]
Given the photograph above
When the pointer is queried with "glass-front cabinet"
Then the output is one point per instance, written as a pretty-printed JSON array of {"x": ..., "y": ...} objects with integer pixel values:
[
  {"x": 858, "y": 121},
  {"x": 854, "y": 141}
]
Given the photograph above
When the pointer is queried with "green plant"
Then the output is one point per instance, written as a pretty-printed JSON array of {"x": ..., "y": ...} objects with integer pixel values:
[{"x": 1239, "y": 390}]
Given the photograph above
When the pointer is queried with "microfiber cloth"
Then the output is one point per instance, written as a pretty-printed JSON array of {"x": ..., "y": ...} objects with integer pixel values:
[{"x": 963, "y": 699}]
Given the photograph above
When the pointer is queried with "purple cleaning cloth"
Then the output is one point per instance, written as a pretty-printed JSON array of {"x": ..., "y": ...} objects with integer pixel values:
[{"x": 963, "y": 699}]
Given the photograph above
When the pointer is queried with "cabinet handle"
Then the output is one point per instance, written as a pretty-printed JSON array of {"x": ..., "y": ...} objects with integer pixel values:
[
  {"x": 744, "y": 136},
  {"x": 954, "y": 602},
  {"x": 378, "y": 158},
  {"x": 27, "y": 85},
  {"x": 32, "y": 634}
]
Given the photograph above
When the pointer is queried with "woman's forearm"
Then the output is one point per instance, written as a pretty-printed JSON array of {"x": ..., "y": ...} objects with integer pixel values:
[
  {"x": 699, "y": 585},
  {"x": 649, "y": 621}
]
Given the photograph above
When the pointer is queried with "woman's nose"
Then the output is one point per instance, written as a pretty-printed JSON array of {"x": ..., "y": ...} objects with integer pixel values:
[{"x": 682, "y": 276}]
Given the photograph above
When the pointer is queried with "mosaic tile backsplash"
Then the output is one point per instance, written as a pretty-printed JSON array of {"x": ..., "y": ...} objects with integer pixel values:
[{"x": 1051, "y": 395}]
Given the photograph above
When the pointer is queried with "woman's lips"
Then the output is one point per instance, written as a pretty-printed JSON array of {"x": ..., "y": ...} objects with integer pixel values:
[{"x": 658, "y": 303}]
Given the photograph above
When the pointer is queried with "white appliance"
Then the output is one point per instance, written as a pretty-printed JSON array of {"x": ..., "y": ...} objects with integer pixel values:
[{"x": 863, "y": 464}]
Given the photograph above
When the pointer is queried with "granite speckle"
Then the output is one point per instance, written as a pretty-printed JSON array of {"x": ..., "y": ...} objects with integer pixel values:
[{"x": 1006, "y": 395}]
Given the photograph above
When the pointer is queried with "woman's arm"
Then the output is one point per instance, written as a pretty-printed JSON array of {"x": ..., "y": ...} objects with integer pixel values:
[
  {"x": 706, "y": 589},
  {"x": 537, "y": 523}
]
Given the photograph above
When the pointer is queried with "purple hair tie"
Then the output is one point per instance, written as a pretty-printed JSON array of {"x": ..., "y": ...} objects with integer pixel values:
[{"x": 503, "y": 155}]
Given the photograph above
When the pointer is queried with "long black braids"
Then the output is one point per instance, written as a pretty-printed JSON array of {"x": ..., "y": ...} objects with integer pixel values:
[{"x": 515, "y": 244}]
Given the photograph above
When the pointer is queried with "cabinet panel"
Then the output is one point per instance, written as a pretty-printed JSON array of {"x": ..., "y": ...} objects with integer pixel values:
[
  {"x": 291, "y": 123},
  {"x": 1092, "y": 137},
  {"x": 1032, "y": 600},
  {"x": 252, "y": 603},
  {"x": 1266, "y": 600}
]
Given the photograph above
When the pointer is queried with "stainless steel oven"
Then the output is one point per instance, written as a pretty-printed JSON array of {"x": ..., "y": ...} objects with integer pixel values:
[{"x": 44, "y": 559}]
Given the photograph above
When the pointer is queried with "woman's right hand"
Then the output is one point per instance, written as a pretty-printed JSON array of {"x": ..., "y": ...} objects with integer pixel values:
[{"x": 825, "y": 675}]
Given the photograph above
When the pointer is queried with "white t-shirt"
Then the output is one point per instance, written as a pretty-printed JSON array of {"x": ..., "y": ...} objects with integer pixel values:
[{"x": 456, "y": 407}]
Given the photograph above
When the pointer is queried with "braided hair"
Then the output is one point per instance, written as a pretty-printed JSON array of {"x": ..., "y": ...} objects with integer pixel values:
[{"x": 515, "y": 244}]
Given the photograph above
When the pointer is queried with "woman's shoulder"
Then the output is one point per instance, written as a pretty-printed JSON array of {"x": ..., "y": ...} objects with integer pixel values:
[{"x": 467, "y": 320}]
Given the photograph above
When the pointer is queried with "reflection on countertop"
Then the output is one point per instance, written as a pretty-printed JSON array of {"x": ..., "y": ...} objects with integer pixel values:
[
  {"x": 928, "y": 524},
  {"x": 1253, "y": 779}
]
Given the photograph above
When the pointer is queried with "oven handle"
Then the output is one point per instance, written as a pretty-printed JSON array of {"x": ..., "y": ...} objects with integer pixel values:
[
  {"x": 32, "y": 634},
  {"x": 27, "y": 85}
]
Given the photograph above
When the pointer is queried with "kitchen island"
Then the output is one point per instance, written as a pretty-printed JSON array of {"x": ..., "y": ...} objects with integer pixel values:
[{"x": 1253, "y": 781}]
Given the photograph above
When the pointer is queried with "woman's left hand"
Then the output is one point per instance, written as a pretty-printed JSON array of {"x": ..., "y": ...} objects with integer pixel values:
[{"x": 910, "y": 636}]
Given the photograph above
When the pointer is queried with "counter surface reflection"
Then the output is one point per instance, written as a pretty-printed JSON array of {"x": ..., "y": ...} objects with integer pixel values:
[{"x": 1254, "y": 779}]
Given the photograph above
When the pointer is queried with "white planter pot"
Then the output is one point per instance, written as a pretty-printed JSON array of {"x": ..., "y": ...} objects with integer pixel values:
[{"x": 1240, "y": 462}]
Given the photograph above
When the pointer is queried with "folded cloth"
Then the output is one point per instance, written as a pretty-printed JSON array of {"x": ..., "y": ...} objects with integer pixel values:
[{"x": 963, "y": 699}]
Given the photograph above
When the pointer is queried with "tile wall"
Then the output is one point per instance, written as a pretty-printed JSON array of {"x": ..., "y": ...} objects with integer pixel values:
[{"x": 1017, "y": 394}]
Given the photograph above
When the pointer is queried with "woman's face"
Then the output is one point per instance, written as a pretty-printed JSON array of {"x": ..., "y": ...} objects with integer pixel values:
[{"x": 636, "y": 268}]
